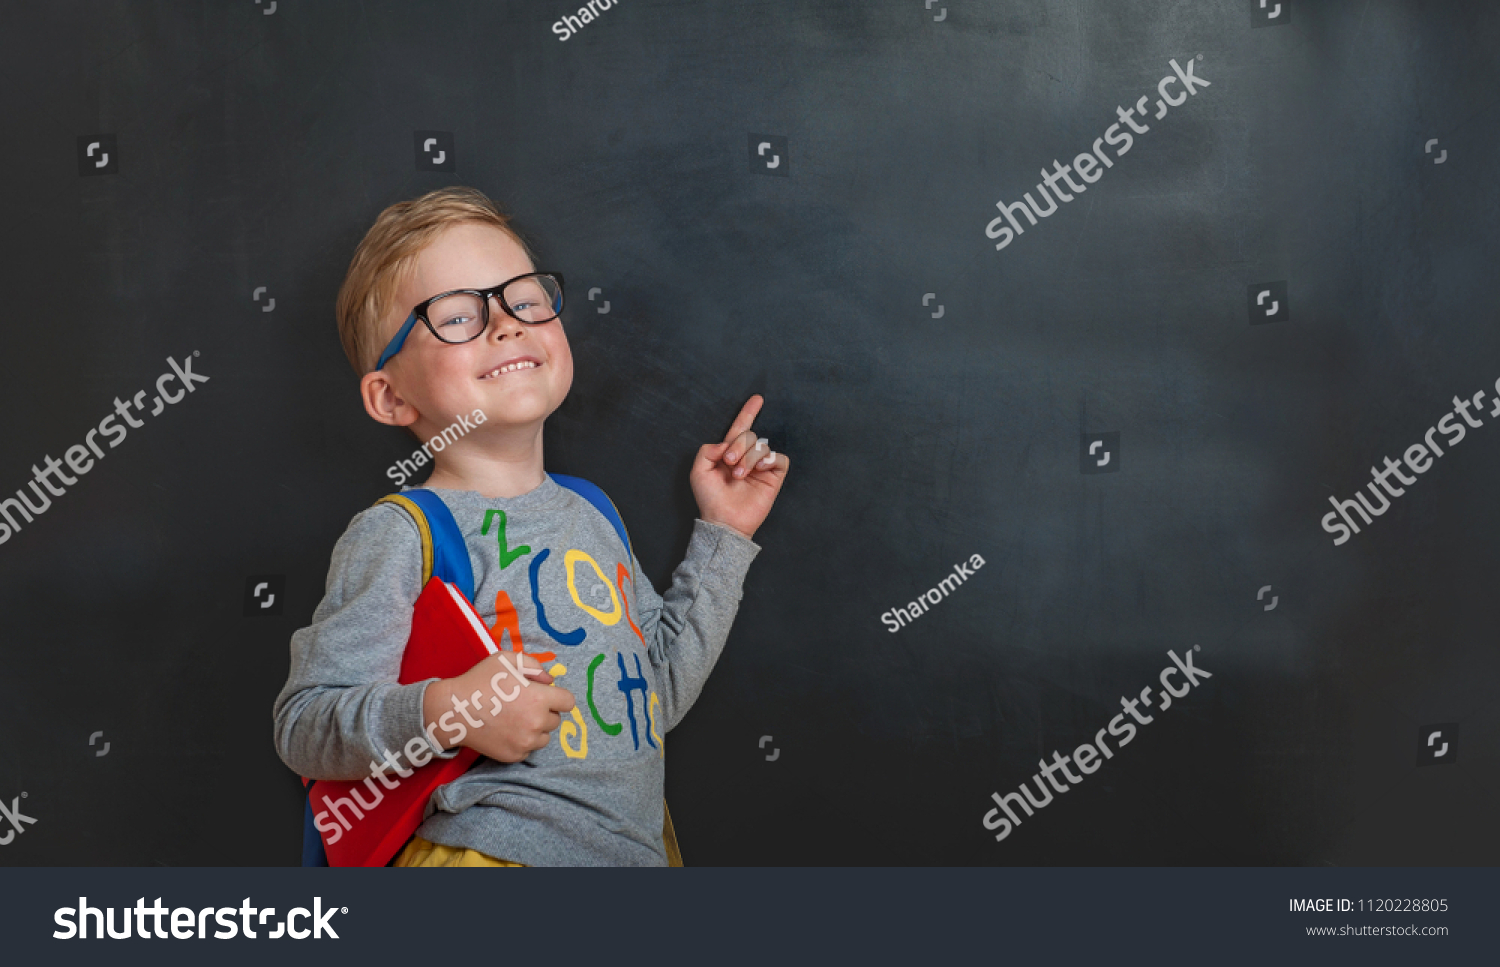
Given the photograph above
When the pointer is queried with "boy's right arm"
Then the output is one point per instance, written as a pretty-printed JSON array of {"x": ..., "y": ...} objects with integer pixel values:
[{"x": 341, "y": 707}]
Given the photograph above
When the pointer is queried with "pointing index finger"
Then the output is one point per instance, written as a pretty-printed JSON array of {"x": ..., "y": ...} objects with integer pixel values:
[{"x": 745, "y": 418}]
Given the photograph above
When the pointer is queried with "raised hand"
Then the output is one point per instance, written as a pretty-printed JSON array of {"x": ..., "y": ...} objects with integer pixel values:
[{"x": 736, "y": 481}]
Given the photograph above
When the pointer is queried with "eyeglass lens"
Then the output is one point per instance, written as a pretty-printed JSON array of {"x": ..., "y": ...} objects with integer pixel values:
[{"x": 462, "y": 316}]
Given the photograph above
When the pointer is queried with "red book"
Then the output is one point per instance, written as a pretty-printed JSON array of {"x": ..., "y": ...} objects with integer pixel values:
[{"x": 447, "y": 639}]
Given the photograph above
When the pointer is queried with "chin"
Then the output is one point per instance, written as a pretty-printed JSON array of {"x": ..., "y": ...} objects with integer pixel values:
[{"x": 501, "y": 411}]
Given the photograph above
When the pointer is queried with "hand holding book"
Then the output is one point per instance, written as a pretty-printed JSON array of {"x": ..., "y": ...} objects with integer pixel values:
[{"x": 467, "y": 710}]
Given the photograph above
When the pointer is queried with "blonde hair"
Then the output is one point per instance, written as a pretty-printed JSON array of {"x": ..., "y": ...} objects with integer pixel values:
[{"x": 389, "y": 250}]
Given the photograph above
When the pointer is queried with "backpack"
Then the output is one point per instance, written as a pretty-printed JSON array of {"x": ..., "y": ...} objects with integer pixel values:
[{"x": 445, "y": 555}]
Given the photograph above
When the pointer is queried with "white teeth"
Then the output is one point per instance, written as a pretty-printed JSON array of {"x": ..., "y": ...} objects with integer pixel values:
[{"x": 525, "y": 364}]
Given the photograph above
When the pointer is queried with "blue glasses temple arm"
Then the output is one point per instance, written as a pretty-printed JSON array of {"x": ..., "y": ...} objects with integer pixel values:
[{"x": 396, "y": 343}]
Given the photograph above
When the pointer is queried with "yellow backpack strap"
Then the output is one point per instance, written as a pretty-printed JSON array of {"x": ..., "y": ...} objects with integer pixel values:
[
  {"x": 420, "y": 519},
  {"x": 669, "y": 838}
]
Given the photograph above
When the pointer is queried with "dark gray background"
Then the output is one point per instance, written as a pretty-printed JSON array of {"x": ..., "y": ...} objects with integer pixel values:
[{"x": 256, "y": 150}]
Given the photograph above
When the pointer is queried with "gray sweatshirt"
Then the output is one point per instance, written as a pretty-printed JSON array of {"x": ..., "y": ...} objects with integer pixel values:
[{"x": 593, "y": 795}]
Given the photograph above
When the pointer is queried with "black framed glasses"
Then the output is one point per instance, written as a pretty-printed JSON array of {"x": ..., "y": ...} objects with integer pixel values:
[{"x": 464, "y": 314}]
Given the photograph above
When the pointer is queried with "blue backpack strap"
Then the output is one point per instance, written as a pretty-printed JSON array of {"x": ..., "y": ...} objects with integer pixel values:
[
  {"x": 445, "y": 555},
  {"x": 313, "y": 853},
  {"x": 601, "y": 503},
  {"x": 444, "y": 552}
]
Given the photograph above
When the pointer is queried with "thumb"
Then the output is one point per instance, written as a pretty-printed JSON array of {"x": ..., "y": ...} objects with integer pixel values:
[{"x": 710, "y": 453}]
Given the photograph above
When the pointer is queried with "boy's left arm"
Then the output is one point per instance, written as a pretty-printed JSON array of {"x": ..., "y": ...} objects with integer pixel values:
[
  {"x": 735, "y": 482},
  {"x": 685, "y": 631}
]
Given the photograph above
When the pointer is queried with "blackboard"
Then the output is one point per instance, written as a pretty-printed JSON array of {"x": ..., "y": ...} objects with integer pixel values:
[{"x": 1288, "y": 278}]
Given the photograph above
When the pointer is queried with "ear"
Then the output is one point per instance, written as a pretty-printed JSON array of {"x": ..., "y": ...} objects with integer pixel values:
[{"x": 383, "y": 402}]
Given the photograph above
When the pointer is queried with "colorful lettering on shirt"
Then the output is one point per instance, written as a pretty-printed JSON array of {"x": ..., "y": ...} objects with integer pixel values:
[
  {"x": 574, "y": 637},
  {"x": 507, "y": 556},
  {"x": 506, "y": 620},
  {"x": 651, "y": 717},
  {"x": 628, "y": 685},
  {"x": 621, "y": 576},
  {"x": 573, "y": 556},
  {"x": 569, "y": 729},
  {"x": 573, "y": 730},
  {"x": 610, "y": 728}
]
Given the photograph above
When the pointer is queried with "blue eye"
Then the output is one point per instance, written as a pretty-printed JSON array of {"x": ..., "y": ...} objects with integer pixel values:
[{"x": 456, "y": 321}]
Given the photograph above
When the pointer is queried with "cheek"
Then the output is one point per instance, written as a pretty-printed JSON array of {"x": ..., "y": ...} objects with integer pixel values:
[
  {"x": 562, "y": 356},
  {"x": 458, "y": 364}
]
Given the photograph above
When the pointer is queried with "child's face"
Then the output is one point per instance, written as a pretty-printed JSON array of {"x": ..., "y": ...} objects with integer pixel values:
[{"x": 430, "y": 382}]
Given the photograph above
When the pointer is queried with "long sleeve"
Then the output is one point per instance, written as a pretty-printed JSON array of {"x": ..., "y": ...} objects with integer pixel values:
[
  {"x": 685, "y": 630},
  {"x": 341, "y": 708}
]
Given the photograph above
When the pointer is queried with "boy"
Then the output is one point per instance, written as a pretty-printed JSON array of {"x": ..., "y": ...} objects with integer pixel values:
[{"x": 552, "y": 576}]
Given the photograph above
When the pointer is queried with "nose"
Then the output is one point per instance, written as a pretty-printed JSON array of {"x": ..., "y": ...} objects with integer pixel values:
[{"x": 502, "y": 322}]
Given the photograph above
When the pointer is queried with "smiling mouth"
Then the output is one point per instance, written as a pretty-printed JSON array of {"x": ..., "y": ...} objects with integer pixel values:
[{"x": 510, "y": 368}]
